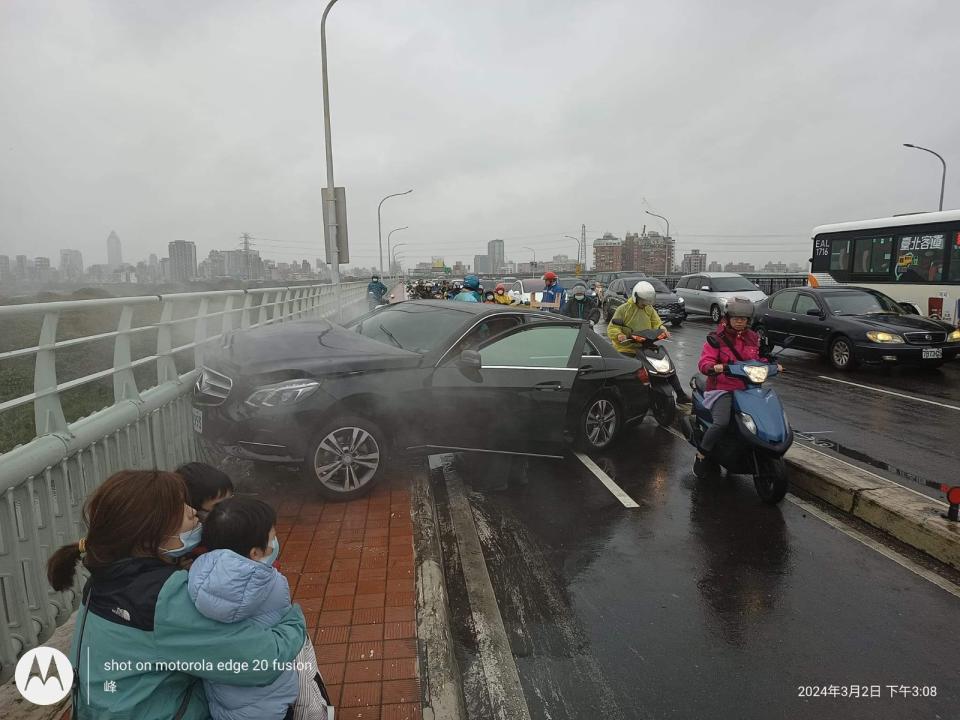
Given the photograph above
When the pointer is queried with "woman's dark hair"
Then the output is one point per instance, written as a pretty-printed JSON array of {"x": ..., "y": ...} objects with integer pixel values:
[
  {"x": 239, "y": 524},
  {"x": 204, "y": 482},
  {"x": 129, "y": 515}
]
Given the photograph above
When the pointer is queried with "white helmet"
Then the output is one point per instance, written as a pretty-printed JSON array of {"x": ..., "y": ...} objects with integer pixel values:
[{"x": 644, "y": 292}]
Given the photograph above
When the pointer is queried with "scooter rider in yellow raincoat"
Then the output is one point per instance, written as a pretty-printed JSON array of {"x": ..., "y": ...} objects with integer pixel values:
[{"x": 638, "y": 314}]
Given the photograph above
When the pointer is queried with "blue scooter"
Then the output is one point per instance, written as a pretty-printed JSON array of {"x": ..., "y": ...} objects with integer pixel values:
[{"x": 758, "y": 435}]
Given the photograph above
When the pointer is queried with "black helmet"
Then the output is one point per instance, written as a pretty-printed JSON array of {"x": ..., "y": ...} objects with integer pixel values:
[{"x": 740, "y": 307}]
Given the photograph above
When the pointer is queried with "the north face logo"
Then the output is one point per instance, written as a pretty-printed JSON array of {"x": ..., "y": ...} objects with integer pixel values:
[{"x": 122, "y": 613}]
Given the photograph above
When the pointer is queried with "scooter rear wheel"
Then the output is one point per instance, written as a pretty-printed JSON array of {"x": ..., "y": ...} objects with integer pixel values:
[
  {"x": 664, "y": 410},
  {"x": 772, "y": 481}
]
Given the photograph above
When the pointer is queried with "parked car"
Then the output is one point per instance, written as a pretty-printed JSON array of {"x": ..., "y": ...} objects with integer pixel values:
[
  {"x": 708, "y": 293},
  {"x": 523, "y": 289},
  {"x": 850, "y": 325},
  {"x": 669, "y": 306},
  {"x": 421, "y": 375}
]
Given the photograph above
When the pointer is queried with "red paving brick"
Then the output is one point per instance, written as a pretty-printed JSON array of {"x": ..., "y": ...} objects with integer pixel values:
[{"x": 350, "y": 566}]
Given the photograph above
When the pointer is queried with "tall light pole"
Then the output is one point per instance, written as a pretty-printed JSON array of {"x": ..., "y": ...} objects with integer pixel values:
[
  {"x": 943, "y": 177},
  {"x": 379, "y": 231},
  {"x": 579, "y": 247},
  {"x": 534, "y": 253},
  {"x": 389, "y": 235},
  {"x": 393, "y": 255},
  {"x": 332, "y": 247},
  {"x": 666, "y": 255}
]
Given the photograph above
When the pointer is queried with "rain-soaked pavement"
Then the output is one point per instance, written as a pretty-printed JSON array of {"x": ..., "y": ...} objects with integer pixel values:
[{"x": 700, "y": 603}]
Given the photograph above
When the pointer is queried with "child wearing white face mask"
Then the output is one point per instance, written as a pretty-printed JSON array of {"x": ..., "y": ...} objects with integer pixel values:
[{"x": 235, "y": 580}]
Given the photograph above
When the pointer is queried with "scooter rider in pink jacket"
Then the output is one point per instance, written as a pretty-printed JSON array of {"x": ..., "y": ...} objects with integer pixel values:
[{"x": 738, "y": 343}]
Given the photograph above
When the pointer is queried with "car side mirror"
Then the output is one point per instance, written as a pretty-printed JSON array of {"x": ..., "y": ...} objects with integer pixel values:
[
  {"x": 909, "y": 308},
  {"x": 470, "y": 360},
  {"x": 713, "y": 341},
  {"x": 816, "y": 312},
  {"x": 705, "y": 288}
]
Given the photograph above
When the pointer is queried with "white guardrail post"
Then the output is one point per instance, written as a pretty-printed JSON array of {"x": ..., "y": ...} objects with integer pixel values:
[{"x": 44, "y": 482}]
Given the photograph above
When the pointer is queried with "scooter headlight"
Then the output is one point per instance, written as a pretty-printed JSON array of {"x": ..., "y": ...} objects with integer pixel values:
[
  {"x": 748, "y": 423},
  {"x": 757, "y": 373},
  {"x": 661, "y": 365}
]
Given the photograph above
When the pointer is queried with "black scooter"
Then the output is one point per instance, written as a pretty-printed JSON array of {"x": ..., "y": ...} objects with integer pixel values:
[{"x": 656, "y": 369}]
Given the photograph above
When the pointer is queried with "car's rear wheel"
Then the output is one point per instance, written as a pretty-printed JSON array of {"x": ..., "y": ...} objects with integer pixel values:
[
  {"x": 600, "y": 424},
  {"x": 676, "y": 323},
  {"x": 715, "y": 313},
  {"x": 346, "y": 458},
  {"x": 841, "y": 354}
]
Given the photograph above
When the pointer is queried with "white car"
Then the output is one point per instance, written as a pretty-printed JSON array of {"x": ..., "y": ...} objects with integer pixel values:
[
  {"x": 521, "y": 290},
  {"x": 708, "y": 293}
]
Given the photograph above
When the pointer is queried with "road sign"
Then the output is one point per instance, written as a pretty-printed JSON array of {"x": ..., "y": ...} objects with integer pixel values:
[{"x": 340, "y": 198}]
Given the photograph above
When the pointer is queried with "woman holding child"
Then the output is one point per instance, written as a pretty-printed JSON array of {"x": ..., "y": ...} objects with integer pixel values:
[{"x": 142, "y": 648}]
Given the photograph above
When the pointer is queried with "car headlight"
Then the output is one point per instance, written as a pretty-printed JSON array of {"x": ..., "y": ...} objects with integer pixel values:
[
  {"x": 661, "y": 365},
  {"x": 748, "y": 423},
  {"x": 680, "y": 300},
  {"x": 282, "y": 393},
  {"x": 756, "y": 373},
  {"x": 954, "y": 336},
  {"x": 879, "y": 336}
]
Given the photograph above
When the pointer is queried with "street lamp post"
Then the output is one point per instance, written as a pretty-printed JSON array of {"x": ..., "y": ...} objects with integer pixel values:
[
  {"x": 943, "y": 177},
  {"x": 393, "y": 256},
  {"x": 534, "y": 254},
  {"x": 332, "y": 246},
  {"x": 379, "y": 231},
  {"x": 666, "y": 255},
  {"x": 389, "y": 256},
  {"x": 580, "y": 249}
]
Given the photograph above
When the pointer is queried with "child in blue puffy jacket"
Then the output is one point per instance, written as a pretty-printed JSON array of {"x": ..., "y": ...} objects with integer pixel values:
[{"x": 235, "y": 581}]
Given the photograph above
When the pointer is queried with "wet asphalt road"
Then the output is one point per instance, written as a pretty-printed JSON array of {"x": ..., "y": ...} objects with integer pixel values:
[
  {"x": 903, "y": 439},
  {"x": 701, "y": 603}
]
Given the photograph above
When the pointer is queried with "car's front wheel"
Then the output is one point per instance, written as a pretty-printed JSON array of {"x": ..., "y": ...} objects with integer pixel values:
[
  {"x": 841, "y": 354},
  {"x": 346, "y": 458},
  {"x": 676, "y": 323},
  {"x": 715, "y": 313},
  {"x": 600, "y": 424}
]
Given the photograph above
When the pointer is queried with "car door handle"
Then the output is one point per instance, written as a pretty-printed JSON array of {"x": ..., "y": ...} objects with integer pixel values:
[
  {"x": 551, "y": 385},
  {"x": 584, "y": 369}
]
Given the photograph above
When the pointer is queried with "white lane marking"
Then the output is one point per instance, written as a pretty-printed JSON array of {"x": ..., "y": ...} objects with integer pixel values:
[
  {"x": 891, "y": 392},
  {"x": 874, "y": 545},
  {"x": 617, "y": 491}
]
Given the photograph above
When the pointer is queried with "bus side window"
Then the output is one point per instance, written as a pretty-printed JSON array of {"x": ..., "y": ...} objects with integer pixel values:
[
  {"x": 840, "y": 254},
  {"x": 955, "y": 259}
]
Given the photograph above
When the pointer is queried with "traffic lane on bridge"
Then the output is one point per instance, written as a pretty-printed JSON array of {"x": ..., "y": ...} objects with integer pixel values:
[
  {"x": 702, "y": 601},
  {"x": 907, "y": 440}
]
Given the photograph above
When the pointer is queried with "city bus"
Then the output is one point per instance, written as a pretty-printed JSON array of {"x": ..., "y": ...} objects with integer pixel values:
[{"x": 915, "y": 259}]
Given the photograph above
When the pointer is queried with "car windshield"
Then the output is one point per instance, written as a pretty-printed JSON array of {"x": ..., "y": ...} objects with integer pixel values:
[
  {"x": 860, "y": 303},
  {"x": 658, "y": 285},
  {"x": 732, "y": 284},
  {"x": 418, "y": 328}
]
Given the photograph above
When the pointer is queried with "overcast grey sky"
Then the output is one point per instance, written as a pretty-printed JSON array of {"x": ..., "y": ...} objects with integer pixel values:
[{"x": 200, "y": 120}]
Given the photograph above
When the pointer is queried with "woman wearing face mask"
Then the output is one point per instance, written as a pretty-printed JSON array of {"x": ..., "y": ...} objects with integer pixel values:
[
  {"x": 141, "y": 647},
  {"x": 580, "y": 305}
]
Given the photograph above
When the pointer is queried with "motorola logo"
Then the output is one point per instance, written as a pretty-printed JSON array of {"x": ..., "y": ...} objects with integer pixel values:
[{"x": 44, "y": 676}]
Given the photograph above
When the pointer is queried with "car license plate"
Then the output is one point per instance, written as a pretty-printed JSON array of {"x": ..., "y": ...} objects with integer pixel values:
[
  {"x": 932, "y": 353},
  {"x": 197, "y": 421}
]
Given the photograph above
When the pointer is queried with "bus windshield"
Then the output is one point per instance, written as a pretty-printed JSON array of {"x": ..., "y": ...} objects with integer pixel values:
[{"x": 860, "y": 302}]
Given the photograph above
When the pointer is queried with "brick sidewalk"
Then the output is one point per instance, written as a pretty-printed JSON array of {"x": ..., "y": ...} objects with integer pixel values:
[{"x": 350, "y": 567}]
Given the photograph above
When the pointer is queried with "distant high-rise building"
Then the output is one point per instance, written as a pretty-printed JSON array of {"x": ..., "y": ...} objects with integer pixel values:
[
  {"x": 41, "y": 268},
  {"x": 715, "y": 267},
  {"x": 5, "y": 274},
  {"x": 153, "y": 260},
  {"x": 495, "y": 253},
  {"x": 244, "y": 265},
  {"x": 114, "y": 251},
  {"x": 71, "y": 265},
  {"x": 656, "y": 254},
  {"x": 164, "y": 270},
  {"x": 608, "y": 253},
  {"x": 630, "y": 254},
  {"x": 21, "y": 269},
  {"x": 739, "y": 267},
  {"x": 183, "y": 260},
  {"x": 481, "y": 264},
  {"x": 694, "y": 262},
  {"x": 775, "y": 267},
  {"x": 305, "y": 267}
]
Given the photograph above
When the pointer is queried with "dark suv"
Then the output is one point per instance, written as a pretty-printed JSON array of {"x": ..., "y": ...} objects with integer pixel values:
[{"x": 669, "y": 305}]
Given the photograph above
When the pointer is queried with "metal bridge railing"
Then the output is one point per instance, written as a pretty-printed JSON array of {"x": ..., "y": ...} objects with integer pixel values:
[{"x": 155, "y": 342}]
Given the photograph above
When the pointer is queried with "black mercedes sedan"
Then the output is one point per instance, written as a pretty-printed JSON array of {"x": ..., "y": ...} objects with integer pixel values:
[
  {"x": 422, "y": 375},
  {"x": 669, "y": 305},
  {"x": 849, "y": 325}
]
